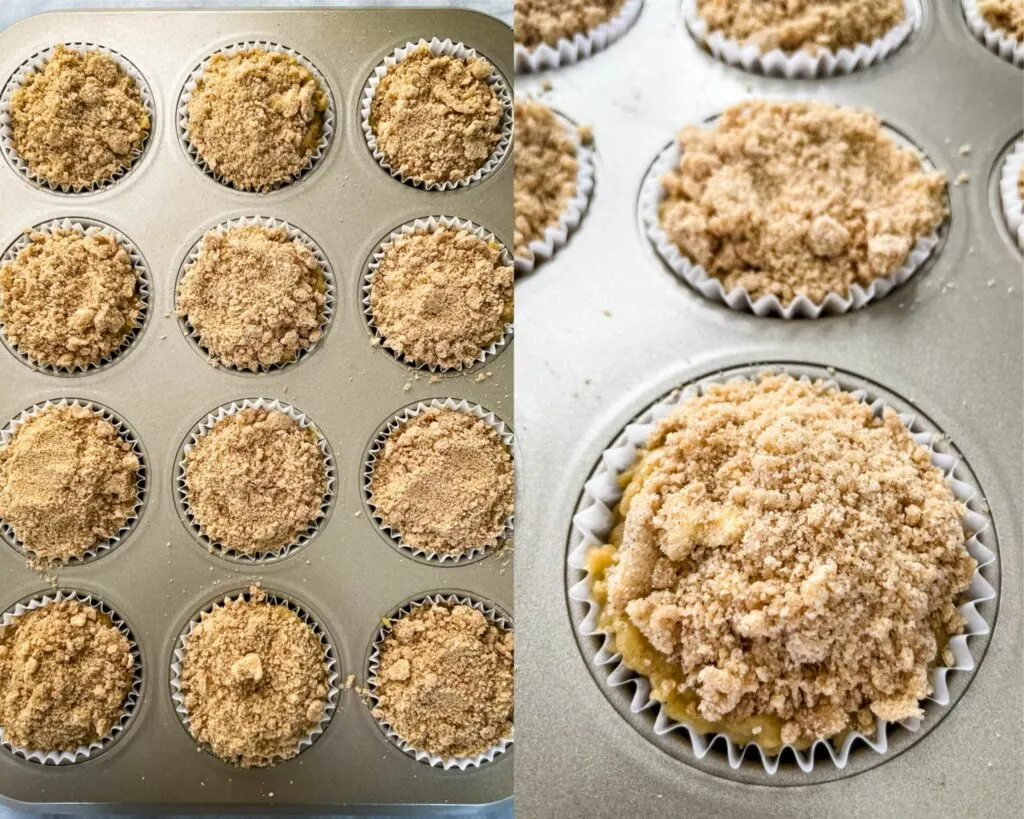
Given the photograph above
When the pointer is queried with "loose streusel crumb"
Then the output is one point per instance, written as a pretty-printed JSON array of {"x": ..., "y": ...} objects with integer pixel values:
[
  {"x": 445, "y": 482},
  {"x": 256, "y": 117},
  {"x": 791, "y": 198},
  {"x": 65, "y": 674},
  {"x": 445, "y": 683},
  {"x": 254, "y": 681},
  {"x": 68, "y": 300},
  {"x": 811, "y": 25},
  {"x": 792, "y": 561},
  {"x": 255, "y": 480},
  {"x": 548, "y": 21},
  {"x": 440, "y": 297},
  {"x": 545, "y": 178},
  {"x": 436, "y": 117},
  {"x": 1006, "y": 16},
  {"x": 79, "y": 120},
  {"x": 255, "y": 297},
  {"x": 68, "y": 482}
]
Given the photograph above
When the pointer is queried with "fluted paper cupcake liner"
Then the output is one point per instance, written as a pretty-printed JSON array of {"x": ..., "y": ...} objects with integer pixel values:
[
  {"x": 181, "y": 113},
  {"x": 331, "y": 664},
  {"x": 738, "y": 298},
  {"x": 568, "y": 51},
  {"x": 376, "y": 448},
  {"x": 83, "y": 752},
  {"x": 557, "y": 235},
  {"x": 1009, "y": 192},
  {"x": 802, "y": 64},
  {"x": 127, "y": 433},
  {"x": 450, "y": 49},
  {"x": 997, "y": 42},
  {"x": 36, "y": 63},
  {"x": 431, "y": 224},
  {"x": 450, "y": 763},
  {"x": 181, "y": 482},
  {"x": 88, "y": 227},
  {"x": 294, "y": 234},
  {"x": 596, "y": 516}
]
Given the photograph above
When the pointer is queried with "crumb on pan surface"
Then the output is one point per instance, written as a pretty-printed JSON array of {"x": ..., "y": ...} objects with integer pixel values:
[
  {"x": 548, "y": 21},
  {"x": 1006, "y": 16}
]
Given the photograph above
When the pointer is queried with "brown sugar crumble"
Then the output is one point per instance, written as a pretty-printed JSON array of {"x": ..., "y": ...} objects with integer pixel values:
[
  {"x": 548, "y": 21},
  {"x": 254, "y": 679},
  {"x": 445, "y": 482},
  {"x": 435, "y": 117},
  {"x": 254, "y": 297},
  {"x": 440, "y": 297},
  {"x": 1006, "y": 16},
  {"x": 812, "y": 25},
  {"x": 256, "y": 117},
  {"x": 546, "y": 170},
  {"x": 445, "y": 682},
  {"x": 255, "y": 480},
  {"x": 790, "y": 564},
  {"x": 65, "y": 675},
  {"x": 79, "y": 120},
  {"x": 790, "y": 198},
  {"x": 68, "y": 482},
  {"x": 69, "y": 300}
]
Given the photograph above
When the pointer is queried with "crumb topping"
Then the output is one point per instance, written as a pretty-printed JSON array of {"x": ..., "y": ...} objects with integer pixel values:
[
  {"x": 1006, "y": 16},
  {"x": 548, "y": 21}
]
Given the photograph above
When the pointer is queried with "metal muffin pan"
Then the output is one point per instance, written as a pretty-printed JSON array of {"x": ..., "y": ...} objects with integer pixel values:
[
  {"x": 349, "y": 574},
  {"x": 950, "y": 342}
]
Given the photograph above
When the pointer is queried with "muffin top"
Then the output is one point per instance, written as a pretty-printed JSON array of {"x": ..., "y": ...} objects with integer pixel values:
[
  {"x": 789, "y": 198},
  {"x": 548, "y": 21},
  {"x": 1006, "y": 16},
  {"x": 78, "y": 120},
  {"x": 440, "y": 297},
  {"x": 445, "y": 682},
  {"x": 445, "y": 482},
  {"x": 256, "y": 117},
  {"x": 435, "y": 117},
  {"x": 65, "y": 675},
  {"x": 254, "y": 679},
  {"x": 68, "y": 482},
  {"x": 69, "y": 300}
]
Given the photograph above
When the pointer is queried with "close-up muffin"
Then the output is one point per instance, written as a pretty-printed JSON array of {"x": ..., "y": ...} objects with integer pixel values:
[
  {"x": 548, "y": 21},
  {"x": 1004, "y": 16}
]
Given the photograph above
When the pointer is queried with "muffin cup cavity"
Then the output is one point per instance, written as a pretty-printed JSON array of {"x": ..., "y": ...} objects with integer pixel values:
[
  {"x": 568, "y": 51},
  {"x": 84, "y": 752},
  {"x": 1009, "y": 192},
  {"x": 430, "y": 224},
  {"x": 438, "y": 48},
  {"x": 495, "y": 616},
  {"x": 128, "y": 434},
  {"x": 376, "y": 448},
  {"x": 35, "y": 63},
  {"x": 802, "y": 64},
  {"x": 595, "y": 517},
  {"x": 143, "y": 290},
  {"x": 998, "y": 42},
  {"x": 330, "y": 121},
  {"x": 202, "y": 428}
]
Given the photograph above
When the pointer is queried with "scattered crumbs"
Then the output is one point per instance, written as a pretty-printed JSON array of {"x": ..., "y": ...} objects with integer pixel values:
[
  {"x": 1010, "y": 289},
  {"x": 167, "y": 314},
  {"x": 949, "y": 140},
  {"x": 163, "y": 338},
  {"x": 545, "y": 85},
  {"x": 408, "y": 386},
  {"x": 608, "y": 313},
  {"x": 434, "y": 379},
  {"x": 965, "y": 149},
  {"x": 991, "y": 283},
  {"x": 586, "y": 380},
  {"x": 357, "y": 514},
  {"x": 962, "y": 178},
  {"x": 350, "y": 680}
]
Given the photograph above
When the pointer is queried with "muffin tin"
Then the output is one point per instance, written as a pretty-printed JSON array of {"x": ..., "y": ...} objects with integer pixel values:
[
  {"x": 948, "y": 343},
  {"x": 349, "y": 576}
]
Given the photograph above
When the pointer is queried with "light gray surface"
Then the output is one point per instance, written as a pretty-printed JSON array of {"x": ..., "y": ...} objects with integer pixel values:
[{"x": 605, "y": 328}]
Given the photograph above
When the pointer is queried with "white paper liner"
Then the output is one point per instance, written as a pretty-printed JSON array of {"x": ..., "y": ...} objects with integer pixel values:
[
  {"x": 88, "y": 227},
  {"x": 557, "y": 235},
  {"x": 181, "y": 114},
  {"x": 1009, "y": 192},
  {"x": 593, "y": 523},
  {"x": 995, "y": 41},
  {"x": 651, "y": 195},
  {"x": 801, "y": 64},
  {"x": 377, "y": 447},
  {"x": 83, "y": 752},
  {"x": 181, "y": 488},
  {"x": 430, "y": 225},
  {"x": 273, "y": 598},
  {"x": 125, "y": 431},
  {"x": 295, "y": 235},
  {"x": 462, "y": 52},
  {"x": 35, "y": 63},
  {"x": 451, "y": 763},
  {"x": 568, "y": 51}
]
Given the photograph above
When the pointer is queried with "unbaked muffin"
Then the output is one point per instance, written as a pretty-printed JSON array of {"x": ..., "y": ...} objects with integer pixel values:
[{"x": 548, "y": 21}]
